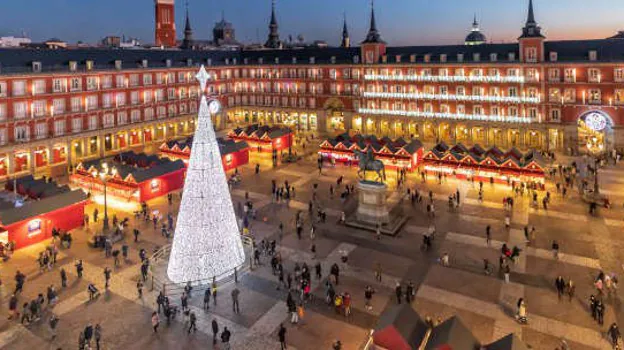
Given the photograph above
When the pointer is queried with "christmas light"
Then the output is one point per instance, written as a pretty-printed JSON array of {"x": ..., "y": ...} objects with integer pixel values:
[
  {"x": 455, "y": 116},
  {"x": 207, "y": 241},
  {"x": 451, "y": 97},
  {"x": 447, "y": 78}
]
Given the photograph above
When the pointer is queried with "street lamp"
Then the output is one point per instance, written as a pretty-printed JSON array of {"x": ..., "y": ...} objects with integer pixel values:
[{"x": 105, "y": 175}]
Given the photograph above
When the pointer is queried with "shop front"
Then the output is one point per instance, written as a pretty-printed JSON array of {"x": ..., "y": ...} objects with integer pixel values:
[{"x": 595, "y": 132}]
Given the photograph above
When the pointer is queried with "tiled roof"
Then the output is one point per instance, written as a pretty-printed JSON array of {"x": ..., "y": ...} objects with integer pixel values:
[{"x": 46, "y": 205}]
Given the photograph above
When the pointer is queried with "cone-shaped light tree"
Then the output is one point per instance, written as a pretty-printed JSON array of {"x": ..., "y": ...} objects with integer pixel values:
[{"x": 207, "y": 240}]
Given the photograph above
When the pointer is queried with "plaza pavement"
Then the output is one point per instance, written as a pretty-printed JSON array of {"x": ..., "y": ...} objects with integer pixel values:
[{"x": 485, "y": 303}]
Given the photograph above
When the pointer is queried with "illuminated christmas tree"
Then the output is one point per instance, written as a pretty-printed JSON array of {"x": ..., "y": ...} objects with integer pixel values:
[{"x": 207, "y": 241}]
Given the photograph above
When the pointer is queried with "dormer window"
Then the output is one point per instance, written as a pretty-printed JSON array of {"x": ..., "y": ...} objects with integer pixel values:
[
  {"x": 553, "y": 56},
  {"x": 234, "y": 61},
  {"x": 260, "y": 60},
  {"x": 476, "y": 57},
  {"x": 332, "y": 60},
  {"x": 276, "y": 60},
  {"x": 593, "y": 55},
  {"x": 493, "y": 57},
  {"x": 427, "y": 58},
  {"x": 168, "y": 63},
  {"x": 246, "y": 60},
  {"x": 189, "y": 62},
  {"x": 294, "y": 60},
  {"x": 36, "y": 66},
  {"x": 89, "y": 65},
  {"x": 118, "y": 64},
  {"x": 227, "y": 61},
  {"x": 460, "y": 57},
  {"x": 443, "y": 58},
  {"x": 511, "y": 56},
  {"x": 397, "y": 58},
  {"x": 209, "y": 61},
  {"x": 384, "y": 59},
  {"x": 73, "y": 66},
  {"x": 312, "y": 60},
  {"x": 412, "y": 58},
  {"x": 144, "y": 63},
  {"x": 356, "y": 59}
]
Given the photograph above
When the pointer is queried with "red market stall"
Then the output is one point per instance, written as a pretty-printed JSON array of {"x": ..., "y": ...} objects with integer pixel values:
[
  {"x": 264, "y": 139},
  {"x": 395, "y": 154},
  {"x": 233, "y": 154},
  {"x": 399, "y": 328},
  {"x": 33, "y": 221},
  {"x": 492, "y": 165},
  {"x": 131, "y": 182}
]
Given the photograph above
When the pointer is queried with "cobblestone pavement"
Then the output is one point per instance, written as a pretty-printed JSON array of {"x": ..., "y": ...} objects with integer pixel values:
[{"x": 485, "y": 303}]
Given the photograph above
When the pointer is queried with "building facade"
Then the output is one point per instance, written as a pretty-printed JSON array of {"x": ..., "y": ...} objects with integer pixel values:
[{"x": 61, "y": 107}]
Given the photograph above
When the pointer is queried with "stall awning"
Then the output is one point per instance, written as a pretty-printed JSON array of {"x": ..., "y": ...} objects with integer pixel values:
[
  {"x": 33, "y": 208},
  {"x": 400, "y": 327}
]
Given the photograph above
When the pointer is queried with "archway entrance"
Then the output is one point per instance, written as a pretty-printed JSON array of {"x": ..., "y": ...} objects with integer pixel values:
[{"x": 595, "y": 132}]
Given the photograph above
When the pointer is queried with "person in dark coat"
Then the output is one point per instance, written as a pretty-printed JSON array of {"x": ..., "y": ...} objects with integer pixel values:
[
  {"x": 215, "y": 331},
  {"x": 281, "y": 334}
]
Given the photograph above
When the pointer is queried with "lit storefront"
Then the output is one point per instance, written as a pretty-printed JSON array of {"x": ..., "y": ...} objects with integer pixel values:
[
  {"x": 395, "y": 154},
  {"x": 492, "y": 165}
]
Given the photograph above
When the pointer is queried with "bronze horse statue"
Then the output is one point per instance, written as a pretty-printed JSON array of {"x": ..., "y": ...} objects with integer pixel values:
[{"x": 367, "y": 162}]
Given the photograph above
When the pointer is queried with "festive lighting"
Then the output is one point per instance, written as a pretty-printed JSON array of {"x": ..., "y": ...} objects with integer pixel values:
[
  {"x": 207, "y": 241},
  {"x": 451, "y": 97},
  {"x": 456, "y": 116},
  {"x": 448, "y": 78}
]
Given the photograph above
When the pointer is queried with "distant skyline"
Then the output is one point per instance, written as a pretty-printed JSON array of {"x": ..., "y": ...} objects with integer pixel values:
[{"x": 400, "y": 22}]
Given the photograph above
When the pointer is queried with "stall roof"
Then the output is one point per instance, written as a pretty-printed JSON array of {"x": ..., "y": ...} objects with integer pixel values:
[
  {"x": 33, "y": 208},
  {"x": 454, "y": 334},
  {"x": 166, "y": 167},
  {"x": 403, "y": 321},
  {"x": 510, "y": 342},
  {"x": 231, "y": 146}
]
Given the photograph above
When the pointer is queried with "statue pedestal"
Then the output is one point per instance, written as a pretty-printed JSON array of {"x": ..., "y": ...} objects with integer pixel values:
[{"x": 372, "y": 203}]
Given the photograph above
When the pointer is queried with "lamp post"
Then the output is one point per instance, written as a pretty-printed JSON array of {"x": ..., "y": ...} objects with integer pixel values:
[{"x": 105, "y": 175}]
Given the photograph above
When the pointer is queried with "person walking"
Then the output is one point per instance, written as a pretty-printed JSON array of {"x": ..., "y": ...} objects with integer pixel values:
[
  {"x": 281, "y": 334},
  {"x": 368, "y": 295},
  {"x": 192, "y": 323},
  {"x": 570, "y": 289},
  {"x": 335, "y": 271},
  {"x": 107, "y": 276},
  {"x": 13, "y": 307},
  {"x": 214, "y": 292},
  {"x": 235, "y": 305},
  {"x": 488, "y": 235},
  {"x": 155, "y": 321},
  {"x": 378, "y": 271},
  {"x": 215, "y": 331},
  {"x": 555, "y": 249},
  {"x": 593, "y": 303},
  {"x": 600, "y": 309},
  {"x": 140, "y": 289},
  {"x": 207, "y": 299},
  {"x": 52, "y": 323},
  {"x": 399, "y": 292},
  {"x": 88, "y": 332},
  {"x": 317, "y": 269},
  {"x": 225, "y": 338},
  {"x": 63, "y": 278},
  {"x": 97, "y": 334},
  {"x": 160, "y": 301},
  {"x": 614, "y": 334},
  {"x": 560, "y": 284}
]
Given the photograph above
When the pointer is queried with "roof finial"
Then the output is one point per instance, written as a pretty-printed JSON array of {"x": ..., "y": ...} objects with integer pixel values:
[
  {"x": 475, "y": 23},
  {"x": 531, "y": 16},
  {"x": 222, "y": 15}
]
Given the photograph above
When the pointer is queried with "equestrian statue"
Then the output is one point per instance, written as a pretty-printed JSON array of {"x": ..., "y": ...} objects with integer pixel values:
[{"x": 367, "y": 162}]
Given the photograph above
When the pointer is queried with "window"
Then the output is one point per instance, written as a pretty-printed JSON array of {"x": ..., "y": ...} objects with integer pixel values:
[
  {"x": 594, "y": 96},
  {"x": 593, "y": 55},
  {"x": 495, "y": 110},
  {"x": 3, "y": 137},
  {"x": 555, "y": 115},
  {"x": 93, "y": 122},
  {"x": 511, "y": 56},
  {"x": 181, "y": 77},
  {"x": 513, "y": 91},
  {"x": 135, "y": 116},
  {"x": 494, "y": 91},
  {"x": 39, "y": 87},
  {"x": 120, "y": 99},
  {"x": 532, "y": 74},
  {"x": 460, "y": 91},
  {"x": 19, "y": 88},
  {"x": 91, "y": 83},
  {"x": 569, "y": 95},
  {"x": 120, "y": 81},
  {"x": 513, "y": 111},
  {"x": 161, "y": 112},
  {"x": 443, "y": 90},
  {"x": 443, "y": 72},
  {"x": 477, "y": 91},
  {"x": 461, "y": 109},
  {"x": 134, "y": 97},
  {"x": 3, "y": 111},
  {"x": 170, "y": 78},
  {"x": 19, "y": 110},
  {"x": 107, "y": 82},
  {"x": 530, "y": 54},
  {"x": 109, "y": 120},
  {"x": 147, "y": 79},
  {"x": 513, "y": 72},
  {"x": 3, "y": 89},
  {"x": 493, "y": 57},
  {"x": 75, "y": 104},
  {"x": 476, "y": 72},
  {"x": 171, "y": 110},
  {"x": 59, "y": 127},
  {"x": 533, "y": 113},
  {"x": 460, "y": 57},
  {"x": 477, "y": 110},
  {"x": 554, "y": 95},
  {"x": 134, "y": 79},
  {"x": 159, "y": 95},
  {"x": 476, "y": 57},
  {"x": 149, "y": 113},
  {"x": 22, "y": 133},
  {"x": 59, "y": 85},
  {"x": 618, "y": 76},
  {"x": 122, "y": 118},
  {"x": 147, "y": 97},
  {"x": 593, "y": 75},
  {"x": 171, "y": 94},
  {"x": 76, "y": 84},
  {"x": 91, "y": 102},
  {"x": 618, "y": 96},
  {"x": 77, "y": 125},
  {"x": 532, "y": 92},
  {"x": 39, "y": 108},
  {"x": 553, "y": 56},
  {"x": 443, "y": 58},
  {"x": 570, "y": 75},
  {"x": 494, "y": 72},
  {"x": 159, "y": 78},
  {"x": 554, "y": 75},
  {"x": 107, "y": 100}
]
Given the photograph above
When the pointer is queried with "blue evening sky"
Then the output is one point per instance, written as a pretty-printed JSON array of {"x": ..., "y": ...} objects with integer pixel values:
[{"x": 401, "y": 22}]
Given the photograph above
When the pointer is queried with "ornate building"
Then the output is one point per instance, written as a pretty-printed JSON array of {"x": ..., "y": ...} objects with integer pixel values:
[
  {"x": 59, "y": 107},
  {"x": 165, "y": 32},
  {"x": 273, "y": 41},
  {"x": 475, "y": 37}
]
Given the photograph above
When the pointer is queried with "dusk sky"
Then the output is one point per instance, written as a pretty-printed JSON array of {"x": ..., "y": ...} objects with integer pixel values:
[{"x": 401, "y": 22}]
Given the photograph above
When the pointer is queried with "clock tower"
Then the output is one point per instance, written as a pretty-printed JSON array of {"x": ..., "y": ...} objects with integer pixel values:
[{"x": 165, "y": 33}]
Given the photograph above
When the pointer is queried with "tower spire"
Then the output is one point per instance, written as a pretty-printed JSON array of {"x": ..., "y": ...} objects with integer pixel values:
[
  {"x": 273, "y": 40},
  {"x": 531, "y": 29},
  {"x": 346, "y": 40},
  {"x": 373, "y": 35},
  {"x": 187, "y": 42},
  {"x": 475, "y": 24},
  {"x": 531, "y": 16}
]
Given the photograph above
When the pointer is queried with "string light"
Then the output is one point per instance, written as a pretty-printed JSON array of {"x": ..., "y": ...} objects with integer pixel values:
[
  {"x": 207, "y": 241},
  {"x": 457, "y": 116}
]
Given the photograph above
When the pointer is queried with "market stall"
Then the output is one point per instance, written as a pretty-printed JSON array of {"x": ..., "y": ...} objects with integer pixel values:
[
  {"x": 131, "y": 182},
  {"x": 395, "y": 154},
  {"x": 491, "y": 165},
  {"x": 233, "y": 154},
  {"x": 264, "y": 139}
]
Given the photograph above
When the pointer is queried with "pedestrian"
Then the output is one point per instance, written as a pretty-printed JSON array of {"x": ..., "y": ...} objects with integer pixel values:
[
  {"x": 207, "y": 299},
  {"x": 63, "y": 278},
  {"x": 488, "y": 236},
  {"x": 193, "y": 323},
  {"x": 281, "y": 334},
  {"x": 592, "y": 305},
  {"x": 20, "y": 278},
  {"x": 13, "y": 307},
  {"x": 79, "y": 268},
  {"x": 378, "y": 271},
  {"x": 52, "y": 323},
  {"x": 368, "y": 295},
  {"x": 570, "y": 289},
  {"x": 292, "y": 308},
  {"x": 614, "y": 333},
  {"x": 555, "y": 249},
  {"x": 399, "y": 292},
  {"x": 107, "y": 276},
  {"x": 335, "y": 271},
  {"x": 214, "y": 292},
  {"x": 25, "y": 314},
  {"x": 506, "y": 271},
  {"x": 600, "y": 309},
  {"x": 215, "y": 331},
  {"x": 317, "y": 269},
  {"x": 410, "y": 292},
  {"x": 560, "y": 284},
  {"x": 88, "y": 332},
  {"x": 444, "y": 260},
  {"x": 235, "y": 305},
  {"x": 140, "y": 289},
  {"x": 97, "y": 333},
  {"x": 507, "y": 221},
  {"x": 225, "y": 338},
  {"x": 155, "y": 321}
]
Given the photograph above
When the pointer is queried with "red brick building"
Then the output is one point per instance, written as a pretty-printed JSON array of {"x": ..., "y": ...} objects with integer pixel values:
[{"x": 61, "y": 107}]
